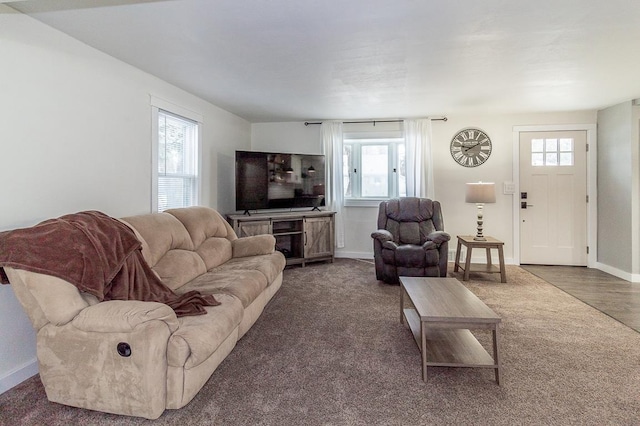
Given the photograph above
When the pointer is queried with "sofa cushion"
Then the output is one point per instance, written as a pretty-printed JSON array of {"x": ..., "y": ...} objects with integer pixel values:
[
  {"x": 245, "y": 277},
  {"x": 24, "y": 296},
  {"x": 178, "y": 267},
  {"x": 246, "y": 285},
  {"x": 271, "y": 265},
  {"x": 214, "y": 251},
  {"x": 210, "y": 234},
  {"x": 199, "y": 336},
  {"x": 202, "y": 223},
  {"x": 171, "y": 252},
  {"x": 162, "y": 232},
  {"x": 123, "y": 316},
  {"x": 409, "y": 233},
  {"x": 409, "y": 209},
  {"x": 146, "y": 251}
]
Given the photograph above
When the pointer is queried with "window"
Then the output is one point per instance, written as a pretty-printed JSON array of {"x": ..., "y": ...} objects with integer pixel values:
[
  {"x": 552, "y": 152},
  {"x": 177, "y": 161},
  {"x": 373, "y": 169}
]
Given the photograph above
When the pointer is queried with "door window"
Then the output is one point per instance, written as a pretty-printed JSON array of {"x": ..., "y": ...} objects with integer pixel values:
[{"x": 552, "y": 152}]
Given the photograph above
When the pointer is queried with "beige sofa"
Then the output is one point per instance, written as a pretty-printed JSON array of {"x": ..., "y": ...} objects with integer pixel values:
[{"x": 137, "y": 358}]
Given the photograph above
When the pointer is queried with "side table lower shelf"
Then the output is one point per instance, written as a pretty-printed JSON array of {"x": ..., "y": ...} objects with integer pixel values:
[{"x": 480, "y": 267}]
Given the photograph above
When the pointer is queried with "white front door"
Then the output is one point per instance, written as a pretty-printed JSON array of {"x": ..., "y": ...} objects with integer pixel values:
[{"x": 553, "y": 198}]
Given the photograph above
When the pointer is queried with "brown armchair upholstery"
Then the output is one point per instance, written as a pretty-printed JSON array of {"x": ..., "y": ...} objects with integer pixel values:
[{"x": 410, "y": 240}]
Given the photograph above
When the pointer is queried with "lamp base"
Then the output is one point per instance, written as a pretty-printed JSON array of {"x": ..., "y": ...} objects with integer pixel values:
[{"x": 479, "y": 236}]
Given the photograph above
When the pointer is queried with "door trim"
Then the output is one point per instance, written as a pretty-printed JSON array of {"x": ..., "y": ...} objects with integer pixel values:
[{"x": 592, "y": 187}]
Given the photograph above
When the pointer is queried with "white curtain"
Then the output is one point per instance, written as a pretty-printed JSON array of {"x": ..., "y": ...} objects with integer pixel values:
[
  {"x": 419, "y": 161},
  {"x": 334, "y": 192}
]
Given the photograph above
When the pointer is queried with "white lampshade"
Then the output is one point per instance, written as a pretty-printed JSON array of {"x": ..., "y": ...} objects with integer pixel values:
[{"x": 481, "y": 192}]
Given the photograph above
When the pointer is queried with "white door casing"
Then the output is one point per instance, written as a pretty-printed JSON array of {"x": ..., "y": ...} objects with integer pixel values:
[{"x": 553, "y": 216}]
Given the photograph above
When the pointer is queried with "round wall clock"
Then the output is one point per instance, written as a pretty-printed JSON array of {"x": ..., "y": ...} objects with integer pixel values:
[{"x": 470, "y": 147}]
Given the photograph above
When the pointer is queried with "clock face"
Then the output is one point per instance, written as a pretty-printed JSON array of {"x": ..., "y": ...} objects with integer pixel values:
[{"x": 470, "y": 147}]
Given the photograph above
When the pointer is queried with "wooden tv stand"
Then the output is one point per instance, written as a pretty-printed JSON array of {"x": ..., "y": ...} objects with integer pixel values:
[{"x": 302, "y": 236}]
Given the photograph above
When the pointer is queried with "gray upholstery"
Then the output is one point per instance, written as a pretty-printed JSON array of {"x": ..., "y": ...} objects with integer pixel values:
[{"x": 410, "y": 240}]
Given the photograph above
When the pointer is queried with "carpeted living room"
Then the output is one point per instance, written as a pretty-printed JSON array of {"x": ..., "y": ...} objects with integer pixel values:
[
  {"x": 329, "y": 349},
  {"x": 234, "y": 175}
]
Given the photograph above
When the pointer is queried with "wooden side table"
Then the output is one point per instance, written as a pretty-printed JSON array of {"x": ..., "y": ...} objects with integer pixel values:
[{"x": 470, "y": 244}]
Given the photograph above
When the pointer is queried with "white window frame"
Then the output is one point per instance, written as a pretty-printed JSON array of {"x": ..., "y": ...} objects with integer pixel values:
[
  {"x": 357, "y": 200},
  {"x": 158, "y": 104}
]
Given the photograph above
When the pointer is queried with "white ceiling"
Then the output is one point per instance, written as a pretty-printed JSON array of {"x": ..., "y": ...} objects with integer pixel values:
[{"x": 296, "y": 60}]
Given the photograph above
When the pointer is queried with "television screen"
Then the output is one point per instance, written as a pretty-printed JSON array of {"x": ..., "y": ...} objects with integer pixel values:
[{"x": 268, "y": 180}]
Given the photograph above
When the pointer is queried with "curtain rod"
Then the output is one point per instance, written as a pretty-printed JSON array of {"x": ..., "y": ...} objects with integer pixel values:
[{"x": 306, "y": 123}]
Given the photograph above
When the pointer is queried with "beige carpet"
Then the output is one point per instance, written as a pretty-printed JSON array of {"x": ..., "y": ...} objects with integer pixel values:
[{"x": 330, "y": 350}]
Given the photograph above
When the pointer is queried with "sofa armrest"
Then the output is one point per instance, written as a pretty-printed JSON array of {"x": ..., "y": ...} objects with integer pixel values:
[
  {"x": 111, "y": 357},
  {"x": 382, "y": 235},
  {"x": 123, "y": 316},
  {"x": 254, "y": 245}
]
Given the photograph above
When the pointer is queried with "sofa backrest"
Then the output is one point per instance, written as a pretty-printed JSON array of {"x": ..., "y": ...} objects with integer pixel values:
[
  {"x": 178, "y": 244},
  {"x": 47, "y": 299},
  {"x": 181, "y": 244}
]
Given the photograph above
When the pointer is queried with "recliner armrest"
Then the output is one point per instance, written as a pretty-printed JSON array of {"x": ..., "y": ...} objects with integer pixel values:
[
  {"x": 254, "y": 245},
  {"x": 382, "y": 235},
  {"x": 390, "y": 245},
  {"x": 438, "y": 237},
  {"x": 429, "y": 245},
  {"x": 123, "y": 316}
]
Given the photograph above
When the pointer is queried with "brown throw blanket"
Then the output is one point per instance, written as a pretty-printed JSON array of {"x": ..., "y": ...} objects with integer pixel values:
[{"x": 98, "y": 254}]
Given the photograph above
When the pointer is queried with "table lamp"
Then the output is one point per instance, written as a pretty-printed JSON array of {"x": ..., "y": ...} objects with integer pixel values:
[{"x": 480, "y": 193}]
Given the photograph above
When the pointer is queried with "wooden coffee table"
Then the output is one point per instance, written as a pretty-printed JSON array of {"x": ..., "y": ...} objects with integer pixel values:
[{"x": 442, "y": 313}]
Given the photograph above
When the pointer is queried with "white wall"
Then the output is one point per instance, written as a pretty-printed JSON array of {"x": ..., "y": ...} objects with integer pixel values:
[
  {"x": 292, "y": 137},
  {"x": 614, "y": 183},
  {"x": 635, "y": 192},
  {"x": 76, "y": 135},
  {"x": 619, "y": 190},
  {"x": 450, "y": 178}
]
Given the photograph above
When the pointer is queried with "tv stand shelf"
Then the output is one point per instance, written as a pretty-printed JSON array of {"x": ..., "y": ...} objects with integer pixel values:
[{"x": 302, "y": 236}]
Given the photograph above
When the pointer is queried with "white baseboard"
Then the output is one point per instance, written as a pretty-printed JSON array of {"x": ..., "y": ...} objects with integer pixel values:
[
  {"x": 354, "y": 254},
  {"x": 474, "y": 259},
  {"x": 18, "y": 375},
  {"x": 627, "y": 276}
]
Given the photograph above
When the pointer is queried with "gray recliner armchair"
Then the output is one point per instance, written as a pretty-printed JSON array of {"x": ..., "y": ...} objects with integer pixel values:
[{"x": 410, "y": 240}]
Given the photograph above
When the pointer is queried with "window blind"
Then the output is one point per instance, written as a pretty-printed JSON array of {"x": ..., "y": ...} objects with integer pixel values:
[{"x": 177, "y": 161}]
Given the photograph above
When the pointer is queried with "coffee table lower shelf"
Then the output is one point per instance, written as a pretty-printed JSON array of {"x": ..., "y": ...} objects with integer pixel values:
[{"x": 449, "y": 347}]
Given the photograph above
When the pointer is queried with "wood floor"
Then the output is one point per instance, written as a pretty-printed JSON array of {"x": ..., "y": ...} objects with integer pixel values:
[{"x": 613, "y": 296}]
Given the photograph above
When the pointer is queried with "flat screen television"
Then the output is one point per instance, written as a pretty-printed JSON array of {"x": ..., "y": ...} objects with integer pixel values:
[{"x": 273, "y": 180}]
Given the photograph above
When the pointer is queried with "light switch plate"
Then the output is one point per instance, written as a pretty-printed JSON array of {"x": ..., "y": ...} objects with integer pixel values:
[{"x": 509, "y": 188}]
